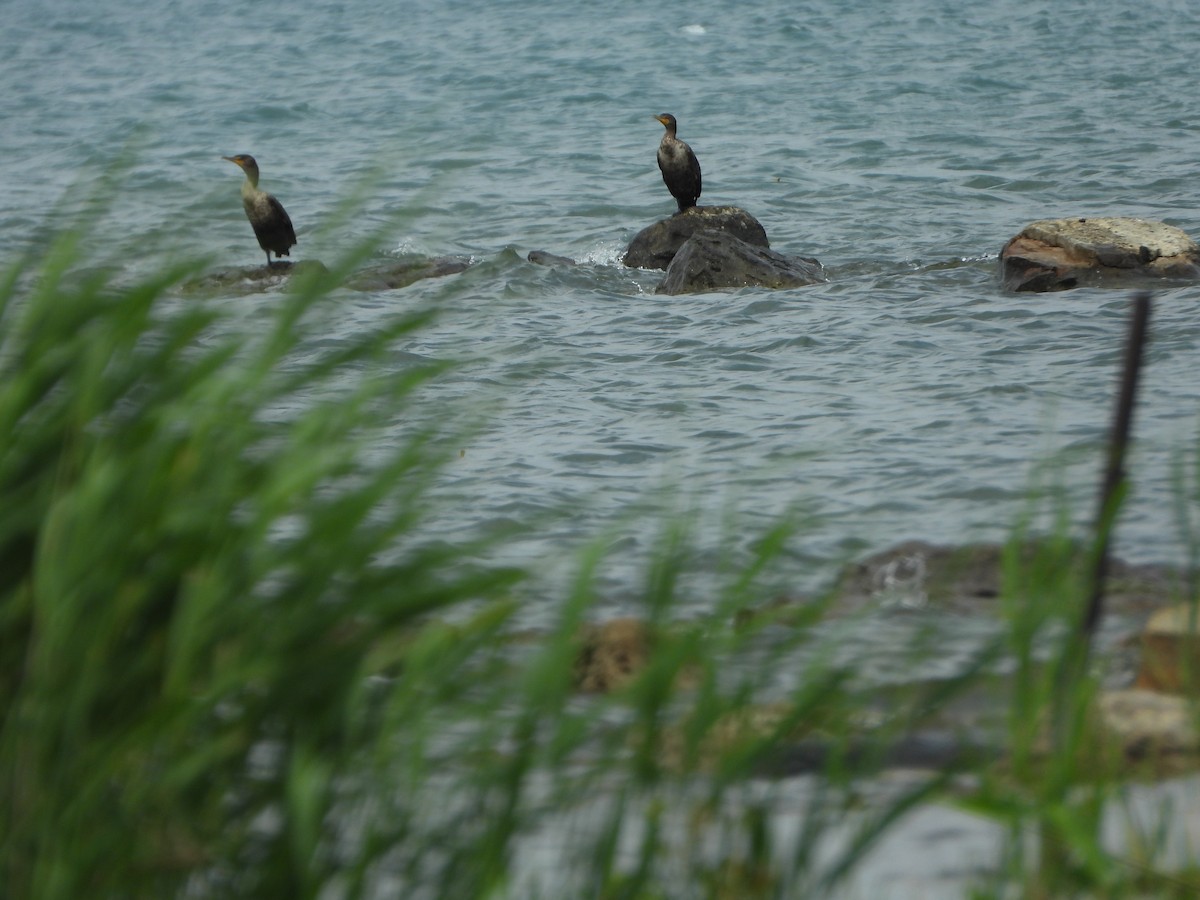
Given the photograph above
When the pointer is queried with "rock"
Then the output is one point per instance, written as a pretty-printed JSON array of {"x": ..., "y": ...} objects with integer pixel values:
[
  {"x": 545, "y": 258},
  {"x": 611, "y": 654},
  {"x": 713, "y": 261},
  {"x": 1057, "y": 254},
  {"x": 1171, "y": 650},
  {"x": 938, "y": 750},
  {"x": 969, "y": 578},
  {"x": 1149, "y": 727},
  {"x": 401, "y": 273},
  {"x": 792, "y": 745},
  {"x": 252, "y": 279},
  {"x": 654, "y": 247}
]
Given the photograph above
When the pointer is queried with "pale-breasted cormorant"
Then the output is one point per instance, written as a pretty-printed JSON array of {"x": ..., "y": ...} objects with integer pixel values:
[
  {"x": 679, "y": 166},
  {"x": 267, "y": 216}
]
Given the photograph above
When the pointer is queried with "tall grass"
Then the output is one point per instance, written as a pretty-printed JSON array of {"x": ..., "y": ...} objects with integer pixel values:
[
  {"x": 233, "y": 665},
  {"x": 196, "y": 584}
]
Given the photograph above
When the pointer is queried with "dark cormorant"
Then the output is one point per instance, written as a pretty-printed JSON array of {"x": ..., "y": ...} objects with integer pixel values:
[
  {"x": 267, "y": 216},
  {"x": 680, "y": 168}
]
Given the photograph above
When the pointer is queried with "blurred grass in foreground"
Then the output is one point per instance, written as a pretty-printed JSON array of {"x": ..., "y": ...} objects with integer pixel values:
[
  {"x": 220, "y": 675},
  {"x": 193, "y": 589}
]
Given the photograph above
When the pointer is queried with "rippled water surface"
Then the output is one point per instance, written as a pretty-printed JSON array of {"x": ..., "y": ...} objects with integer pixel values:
[{"x": 901, "y": 143}]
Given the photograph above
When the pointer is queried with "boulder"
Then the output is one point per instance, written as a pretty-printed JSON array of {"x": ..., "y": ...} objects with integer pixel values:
[
  {"x": 716, "y": 260},
  {"x": 1057, "y": 254},
  {"x": 970, "y": 578},
  {"x": 1171, "y": 650},
  {"x": 654, "y": 247},
  {"x": 611, "y": 654},
  {"x": 1150, "y": 728}
]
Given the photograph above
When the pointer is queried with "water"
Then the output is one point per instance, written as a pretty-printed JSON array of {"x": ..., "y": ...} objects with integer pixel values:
[{"x": 901, "y": 143}]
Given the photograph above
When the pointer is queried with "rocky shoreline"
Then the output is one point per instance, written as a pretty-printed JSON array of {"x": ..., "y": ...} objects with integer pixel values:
[
  {"x": 1143, "y": 721},
  {"x": 714, "y": 248}
]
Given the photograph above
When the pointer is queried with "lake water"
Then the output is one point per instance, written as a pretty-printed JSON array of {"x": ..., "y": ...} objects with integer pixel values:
[{"x": 901, "y": 143}]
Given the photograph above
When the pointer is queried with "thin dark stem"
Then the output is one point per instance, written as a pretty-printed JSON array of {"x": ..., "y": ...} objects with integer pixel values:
[
  {"x": 1056, "y": 862},
  {"x": 1114, "y": 470},
  {"x": 1078, "y": 649}
]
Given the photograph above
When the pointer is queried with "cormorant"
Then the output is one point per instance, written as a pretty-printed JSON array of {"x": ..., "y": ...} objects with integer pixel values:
[
  {"x": 267, "y": 216},
  {"x": 680, "y": 168}
]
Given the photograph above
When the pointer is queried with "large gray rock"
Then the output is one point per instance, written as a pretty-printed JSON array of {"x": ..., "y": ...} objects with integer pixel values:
[
  {"x": 716, "y": 260},
  {"x": 654, "y": 247},
  {"x": 1057, "y": 254}
]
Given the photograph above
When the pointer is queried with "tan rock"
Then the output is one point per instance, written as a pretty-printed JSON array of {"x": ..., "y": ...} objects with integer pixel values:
[
  {"x": 611, "y": 654},
  {"x": 1171, "y": 651},
  {"x": 1057, "y": 254},
  {"x": 1151, "y": 727}
]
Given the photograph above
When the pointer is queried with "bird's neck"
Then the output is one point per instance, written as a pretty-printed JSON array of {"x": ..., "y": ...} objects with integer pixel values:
[{"x": 250, "y": 185}]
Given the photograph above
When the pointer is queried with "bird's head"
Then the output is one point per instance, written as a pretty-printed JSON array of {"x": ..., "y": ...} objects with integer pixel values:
[
  {"x": 245, "y": 162},
  {"x": 668, "y": 120}
]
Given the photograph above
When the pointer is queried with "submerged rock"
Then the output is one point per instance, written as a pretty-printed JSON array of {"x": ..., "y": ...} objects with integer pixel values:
[
  {"x": 713, "y": 261},
  {"x": 545, "y": 258},
  {"x": 401, "y": 273},
  {"x": 970, "y": 579},
  {"x": 1057, "y": 254},
  {"x": 655, "y": 246},
  {"x": 382, "y": 277}
]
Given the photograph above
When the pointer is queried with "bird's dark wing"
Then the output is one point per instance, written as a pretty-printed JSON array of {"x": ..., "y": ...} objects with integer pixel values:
[
  {"x": 282, "y": 222},
  {"x": 693, "y": 171}
]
